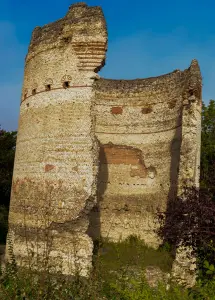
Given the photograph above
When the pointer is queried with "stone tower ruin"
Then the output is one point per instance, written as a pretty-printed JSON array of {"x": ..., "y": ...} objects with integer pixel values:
[{"x": 95, "y": 157}]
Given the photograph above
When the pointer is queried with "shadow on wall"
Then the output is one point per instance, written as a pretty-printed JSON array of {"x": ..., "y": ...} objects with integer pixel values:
[
  {"x": 175, "y": 149},
  {"x": 94, "y": 230}
]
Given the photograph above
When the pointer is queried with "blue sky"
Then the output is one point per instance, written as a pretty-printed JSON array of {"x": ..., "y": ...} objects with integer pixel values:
[{"x": 146, "y": 38}]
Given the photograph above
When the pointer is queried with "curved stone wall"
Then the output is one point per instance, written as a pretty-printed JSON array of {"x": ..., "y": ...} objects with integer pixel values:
[
  {"x": 56, "y": 163},
  {"x": 138, "y": 124},
  {"x": 132, "y": 143}
]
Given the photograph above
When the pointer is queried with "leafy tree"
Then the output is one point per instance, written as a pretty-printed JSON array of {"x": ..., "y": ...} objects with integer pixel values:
[
  {"x": 192, "y": 223},
  {"x": 208, "y": 146},
  {"x": 7, "y": 152}
]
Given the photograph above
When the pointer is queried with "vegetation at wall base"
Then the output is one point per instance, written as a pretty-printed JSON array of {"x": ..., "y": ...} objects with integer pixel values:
[
  {"x": 131, "y": 252},
  {"x": 105, "y": 282},
  {"x": 123, "y": 280}
]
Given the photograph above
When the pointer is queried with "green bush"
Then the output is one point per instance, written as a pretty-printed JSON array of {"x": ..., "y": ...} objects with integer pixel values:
[
  {"x": 118, "y": 274},
  {"x": 3, "y": 223},
  {"x": 29, "y": 285}
]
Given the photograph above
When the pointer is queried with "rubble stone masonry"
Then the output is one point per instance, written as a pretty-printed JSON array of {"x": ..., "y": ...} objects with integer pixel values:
[{"x": 95, "y": 157}]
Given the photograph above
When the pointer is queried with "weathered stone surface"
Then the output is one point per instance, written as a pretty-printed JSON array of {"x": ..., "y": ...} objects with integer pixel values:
[
  {"x": 154, "y": 275},
  {"x": 151, "y": 120},
  {"x": 184, "y": 265},
  {"x": 56, "y": 163},
  {"x": 148, "y": 131}
]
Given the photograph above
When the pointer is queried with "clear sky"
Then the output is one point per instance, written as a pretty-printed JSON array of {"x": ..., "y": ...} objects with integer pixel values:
[{"x": 146, "y": 38}]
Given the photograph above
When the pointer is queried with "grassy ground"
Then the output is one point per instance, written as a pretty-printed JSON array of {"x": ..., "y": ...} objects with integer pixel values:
[
  {"x": 111, "y": 278},
  {"x": 132, "y": 252}
]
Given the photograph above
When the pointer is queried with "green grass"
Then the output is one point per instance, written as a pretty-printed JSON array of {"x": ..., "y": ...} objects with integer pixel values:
[
  {"x": 111, "y": 278},
  {"x": 133, "y": 253},
  {"x": 26, "y": 285}
]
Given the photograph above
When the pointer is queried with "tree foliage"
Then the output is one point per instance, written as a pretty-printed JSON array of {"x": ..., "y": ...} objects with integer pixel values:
[
  {"x": 208, "y": 146},
  {"x": 7, "y": 153}
]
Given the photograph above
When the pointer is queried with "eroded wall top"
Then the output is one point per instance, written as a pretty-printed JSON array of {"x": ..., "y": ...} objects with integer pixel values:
[
  {"x": 170, "y": 83},
  {"x": 82, "y": 24},
  {"x": 147, "y": 105},
  {"x": 70, "y": 50}
]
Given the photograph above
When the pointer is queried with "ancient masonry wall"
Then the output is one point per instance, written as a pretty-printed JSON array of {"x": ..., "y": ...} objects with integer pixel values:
[
  {"x": 95, "y": 157},
  {"x": 56, "y": 164},
  {"x": 184, "y": 266},
  {"x": 139, "y": 126},
  {"x": 189, "y": 171}
]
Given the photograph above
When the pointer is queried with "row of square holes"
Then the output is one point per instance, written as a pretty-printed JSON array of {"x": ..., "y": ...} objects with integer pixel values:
[
  {"x": 114, "y": 110},
  {"x": 48, "y": 88}
]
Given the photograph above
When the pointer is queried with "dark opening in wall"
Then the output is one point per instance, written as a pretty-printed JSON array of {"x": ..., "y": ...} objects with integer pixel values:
[
  {"x": 27, "y": 104},
  {"x": 172, "y": 104},
  {"x": 48, "y": 87},
  {"x": 191, "y": 93},
  {"x": 146, "y": 110},
  {"x": 66, "y": 39},
  {"x": 34, "y": 91},
  {"x": 66, "y": 84},
  {"x": 25, "y": 96}
]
